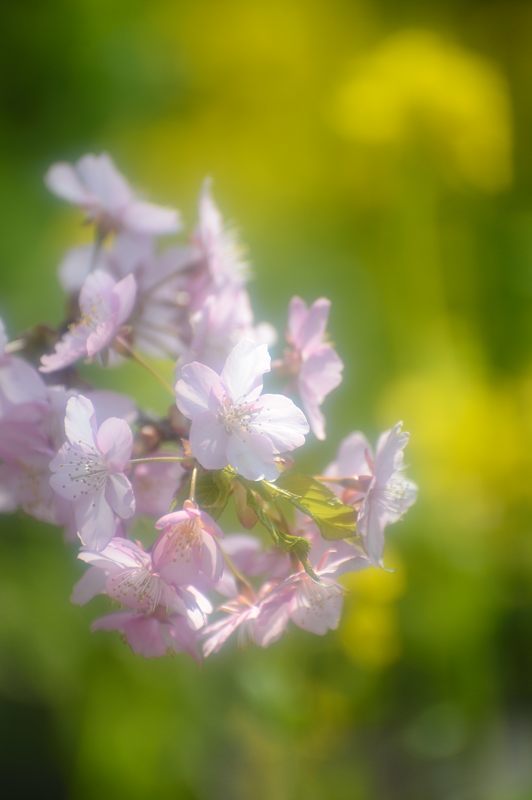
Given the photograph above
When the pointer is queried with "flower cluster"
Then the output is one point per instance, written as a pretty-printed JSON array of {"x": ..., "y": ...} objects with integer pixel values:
[{"x": 146, "y": 497}]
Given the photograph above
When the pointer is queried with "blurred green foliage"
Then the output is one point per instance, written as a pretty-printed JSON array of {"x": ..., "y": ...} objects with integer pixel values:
[{"x": 378, "y": 153}]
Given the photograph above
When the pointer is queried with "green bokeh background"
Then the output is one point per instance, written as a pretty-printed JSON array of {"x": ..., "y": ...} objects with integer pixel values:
[{"x": 377, "y": 153}]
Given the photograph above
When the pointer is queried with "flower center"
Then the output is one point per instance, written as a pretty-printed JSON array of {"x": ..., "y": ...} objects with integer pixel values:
[
  {"x": 86, "y": 468},
  {"x": 236, "y": 416}
]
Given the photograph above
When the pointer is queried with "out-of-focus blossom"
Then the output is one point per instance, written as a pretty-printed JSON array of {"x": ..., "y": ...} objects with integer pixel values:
[
  {"x": 150, "y": 636},
  {"x": 311, "y": 603},
  {"x": 105, "y": 306},
  {"x": 23, "y": 405},
  {"x": 20, "y": 383},
  {"x": 310, "y": 359},
  {"x": 218, "y": 245},
  {"x": 376, "y": 485},
  {"x": 89, "y": 469},
  {"x": 155, "y": 484},
  {"x": 232, "y": 423},
  {"x": 223, "y": 320},
  {"x": 94, "y": 184}
]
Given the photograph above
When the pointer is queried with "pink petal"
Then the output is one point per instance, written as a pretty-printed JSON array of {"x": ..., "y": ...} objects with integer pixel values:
[
  {"x": 320, "y": 373},
  {"x": 297, "y": 312},
  {"x": 306, "y": 326},
  {"x": 119, "y": 494},
  {"x": 195, "y": 387},
  {"x": 389, "y": 456},
  {"x": 104, "y": 182},
  {"x": 145, "y": 635},
  {"x": 91, "y": 584},
  {"x": 317, "y": 607},
  {"x": 115, "y": 442},
  {"x": 252, "y": 455},
  {"x": 21, "y": 383},
  {"x": 125, "y": 292},
  {"x": 100, "y": 338},
  {"x": 245, "y": 365},
  {"x": 80, "y": 422},
  {"x": 209, "y": 441},
  {"x": 281, "y": 421},
  {"x": 118, "y": 554},
  {"x": 371, "y": 526},
  {"x": 149, "y": 219},
  {"x": 95, "y": 520},
  {"x": 352, "y": 459},
  {"x": 62, "y": 180},
  {"x": 96, "y": 296}
]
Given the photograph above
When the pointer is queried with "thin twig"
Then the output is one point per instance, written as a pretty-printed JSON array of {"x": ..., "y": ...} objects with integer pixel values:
[
  {"x": 164, "y": 459},
  {"x": 143, "y": 363}
]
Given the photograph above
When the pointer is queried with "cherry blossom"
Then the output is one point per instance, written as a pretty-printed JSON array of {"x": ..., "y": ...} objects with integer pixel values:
[
  {"x": 89, "y": 469},
  {"x": 94, "y": 184},
  {"x": 105, "y": 305},
  {"x": 311, "y": 603},
  {"x": 150, "y": 636},
  {"x": 310, "y": 360},
  {"x": 188, "y": 547},
  {"x": 232, "y": 423},
  {"x": 160, "y": 617},
  {"x": 141, "y": 488},
  {"x": 377, "y": 487},
  {"x": 23, "y": 405}
]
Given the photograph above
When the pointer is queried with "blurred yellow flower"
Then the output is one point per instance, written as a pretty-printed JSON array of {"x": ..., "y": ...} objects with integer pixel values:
[
  {"x": 417, "y": 86},
  {"x": 369, "y": 635}
]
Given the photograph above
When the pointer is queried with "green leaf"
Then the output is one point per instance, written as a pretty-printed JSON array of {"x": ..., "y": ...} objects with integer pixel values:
[
  {"x": 213, "y": 489},
  {"x": 335, "y": 519}
]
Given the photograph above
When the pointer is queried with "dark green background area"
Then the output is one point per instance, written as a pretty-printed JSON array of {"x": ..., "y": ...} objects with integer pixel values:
[{"x": 377, "y": 153}]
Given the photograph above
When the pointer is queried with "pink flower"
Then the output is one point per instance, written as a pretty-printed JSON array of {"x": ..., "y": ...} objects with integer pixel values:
[
  {"x": 314, "y": 364},
  {"x": 262, "y": 619},
  {"x": 379, "y": 489},
  {"x": 160, "y": 617},
  {"x": 222, "y": 321},
  {"x": 89, "y": 471},
  {"x": 149, "y": 636},
  {"x": 95, "y": 185},
  {"x": 314, "y": 605},
  {"x": 105, "y": 305},
  {"x": 160, "y": 320},
  {"x": 232, "y": 424},
  {"x": 188, "y": 546},
  {"x": 20, "y": 383},
  {"x": 23, "y": 405},
  {"x": 30, "y": 446}
]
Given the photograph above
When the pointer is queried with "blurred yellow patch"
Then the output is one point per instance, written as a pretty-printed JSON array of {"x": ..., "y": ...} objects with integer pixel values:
[
  {"x": 369, "y": 635},
  {"x": 418, "y": 86},
  {"x": 377, "y": 585},
  {"x": 468, "y": 448}
]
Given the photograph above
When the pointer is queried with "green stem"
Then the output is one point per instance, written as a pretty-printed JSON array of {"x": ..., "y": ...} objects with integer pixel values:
[
  {"x": 163, "y": 459},
  {"x": 238, "y": 575},
  {"x": 193, "y": 478}
]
